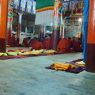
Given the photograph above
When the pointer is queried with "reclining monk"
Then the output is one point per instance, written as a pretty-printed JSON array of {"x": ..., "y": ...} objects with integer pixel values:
[{"x": 63, "y": 46}]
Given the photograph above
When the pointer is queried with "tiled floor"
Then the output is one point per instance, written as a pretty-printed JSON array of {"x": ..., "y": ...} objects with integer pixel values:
[{"x": 28, "y": 76}]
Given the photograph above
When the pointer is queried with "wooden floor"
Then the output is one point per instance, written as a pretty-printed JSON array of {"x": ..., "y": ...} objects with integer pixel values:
[{"x": 29, "y": 76}]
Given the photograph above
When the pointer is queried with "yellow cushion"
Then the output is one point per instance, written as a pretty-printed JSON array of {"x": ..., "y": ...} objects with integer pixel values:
[
  {"x": 24, "y": 53},
  {"x": 12, "y": 53},
  {"x": 50, "y": 51},
  {"x": 4, "y": 54},
  {"x": 37, "y": 52},
  {"x": 1, "y": 54}
]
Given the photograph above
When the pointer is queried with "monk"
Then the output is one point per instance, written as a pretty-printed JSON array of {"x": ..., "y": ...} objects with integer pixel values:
[
  {"x": 63, "y": 46},
  {"x": 26, "y": 42},
  {"x": 47, "y": 43},
  {"x": 36, "y": 44},
  {"x": 77, "y": 45},
  {"x": 13, "y": 40}
]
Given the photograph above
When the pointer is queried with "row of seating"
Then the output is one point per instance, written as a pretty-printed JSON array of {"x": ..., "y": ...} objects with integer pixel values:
[{"x": 64, "y": 45}]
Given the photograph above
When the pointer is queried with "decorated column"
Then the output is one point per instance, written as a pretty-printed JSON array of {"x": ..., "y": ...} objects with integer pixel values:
[
  {"x": 41, "y": 33},
  {"x": 10, "y": 19},
  {"x": 19, "y": 26},
  {"x": 90, "y": 60},
  {"x": 56, "y": 24},
  {"x": 3, "y": 24}
]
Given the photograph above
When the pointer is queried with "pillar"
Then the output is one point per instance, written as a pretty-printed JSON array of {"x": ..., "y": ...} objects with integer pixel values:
[
  {"x": 3, "y": 24},
  {"x": 62, "y": 26},
  {"x": 19, "y": 26},
  {"x": 86, "y": 14},
  {"x": 90, "y": 60},
  {"x": 10, "y": 20},
  {"x": 56, "y": 24},
  {"x": 41, "y": 32}
]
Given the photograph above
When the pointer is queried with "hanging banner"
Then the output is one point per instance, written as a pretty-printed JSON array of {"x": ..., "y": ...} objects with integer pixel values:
[
  {"x": 80, "y": 4},
  {"x": 43, "y": 5},
  {"x": 16, "y": 4},
  {"x": 57, "y": 7},
  {"x": 65, "y": 6},
  {"x": 73, "y": 4},
  {"x": 31, "y": 6},
  {"x": 23, "y": 5},
  {"x": 10, "y": 9},
  {"x": 34, "y": 7},
  {"x": 76, "y": 5},
  {"x": 10, "y": 14}
]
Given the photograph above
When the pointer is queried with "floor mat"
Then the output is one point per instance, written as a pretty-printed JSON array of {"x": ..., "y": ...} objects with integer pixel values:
[{"x": 76, "y": 70}]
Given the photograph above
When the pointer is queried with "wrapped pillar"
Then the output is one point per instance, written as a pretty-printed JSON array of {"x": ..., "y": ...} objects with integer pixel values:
[
  {"x": 90, "y": 60},
  {"x": 56, "y": 24},
  {"x": 10, "y": 19},
  {"x": 18, "y": 29},
  {"x": 86, "y": 14},
  {"x": 3, "y": 24},
  {"x": 41, "y": 33}
]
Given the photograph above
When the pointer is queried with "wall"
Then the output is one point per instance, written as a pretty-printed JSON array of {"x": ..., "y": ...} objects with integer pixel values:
[{"x": 72, "y": 31}]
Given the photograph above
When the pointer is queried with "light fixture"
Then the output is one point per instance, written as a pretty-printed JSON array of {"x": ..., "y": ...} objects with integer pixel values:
[{"x": 80, "y": 19}]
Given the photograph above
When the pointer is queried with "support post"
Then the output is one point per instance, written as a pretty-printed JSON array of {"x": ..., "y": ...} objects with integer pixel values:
[
  {"x": 10, "y": 20},
  {"x": 19, "y": 26},
  {"x": 56, "y": 24},
  {"x": 86, "y": 14},
  {"x": 3, "y": 24},
  {"x": 90, "y": 60}
]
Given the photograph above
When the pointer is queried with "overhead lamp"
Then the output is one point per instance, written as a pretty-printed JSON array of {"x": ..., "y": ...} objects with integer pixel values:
[{"x": 80, "y": 19}]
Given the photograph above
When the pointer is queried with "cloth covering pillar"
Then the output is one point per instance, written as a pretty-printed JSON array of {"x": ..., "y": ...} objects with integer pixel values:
[
  {"x": 3, "y": 24},
  {"x": 56, "y": 24},
  {"x": 90, "y": 60}
]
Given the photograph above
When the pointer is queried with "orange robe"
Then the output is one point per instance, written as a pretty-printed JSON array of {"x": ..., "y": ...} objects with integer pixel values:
[
  {"x": 47, "y": 43},
  {"x": 63, "y": 46}
]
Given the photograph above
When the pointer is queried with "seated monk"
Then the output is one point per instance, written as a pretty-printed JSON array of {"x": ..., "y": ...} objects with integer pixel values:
[
  {"x": 9, "y": 37},
  {"x": 37, "y": 45},
  {"x": 13, "y": 41},
  {"x": 32, "y": 41},
  {"x": 47, "y": 43},
  {"x": 63, "y": 46},
  {"x": 70, "y": 41},
  {"x": 17, "y": 42},
  {"x": 25, "y": 42},
  {"x": 77, "y": 46}
]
